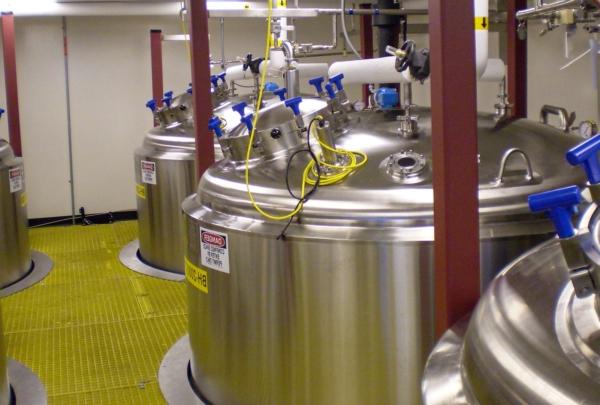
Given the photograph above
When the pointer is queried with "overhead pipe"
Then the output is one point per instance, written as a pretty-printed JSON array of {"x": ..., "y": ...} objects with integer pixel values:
[{"x": 541, "y": 9}]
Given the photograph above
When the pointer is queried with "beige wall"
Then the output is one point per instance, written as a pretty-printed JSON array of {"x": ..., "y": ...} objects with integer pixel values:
[{"x": 110, "y": 82}]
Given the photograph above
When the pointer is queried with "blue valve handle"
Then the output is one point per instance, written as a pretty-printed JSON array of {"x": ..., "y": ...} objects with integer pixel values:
[
  {"x": 248, "y": 121},
  {"x": 221, "y": 76},
  {"x": 2, "y": 111},
  {"x": 215, "y": 124},
  {"x": 151, "y": 104},
  {"x": 318, "y": 83},
  {"x": 337, "y": 80},
  {"x": 189, "y": 89},
  {"x": 240, "y": 108},
  {"x": 559, "y": 205},
  {"x": 168, "y": 98},
  {"x": 214, "y": 79},
  {"x": 586, "y": 154},
  {"x": 294, "y": 104},
  {"x": 330, "y": 91},
  {"x": 281, "y": 93}
]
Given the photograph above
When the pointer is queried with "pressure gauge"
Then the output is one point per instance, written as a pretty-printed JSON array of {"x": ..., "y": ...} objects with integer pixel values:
[{"x": 587, "y": 129}]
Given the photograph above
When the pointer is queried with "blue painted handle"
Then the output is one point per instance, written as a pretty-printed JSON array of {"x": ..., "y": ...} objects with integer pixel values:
[
  {"x": 168, "y": 98},
  {"x": 281, "y": 93},
  {"x": 559, "y": 205},
  {"x": 151, "y": 104},
  {"x": 240, "y": 108},
  {"x": 248, "y": 121},
  {"x": 586, "y": 154},
  {"x": 330, "y": 91},
  {"x": 221, "y": 76},
  {"x": 2, "y": 111},
  {"x": 318, "y": 83},
  {"x": 294, "y": 104},
  {"x": 189, "y": 89},
  {"x": 337, "y": 80},
  {"x": 215, "y": 124},
  {"x": 214, "y": 79}
]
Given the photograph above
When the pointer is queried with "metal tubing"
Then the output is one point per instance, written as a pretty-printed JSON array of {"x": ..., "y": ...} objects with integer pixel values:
[
  {"x": 516, "y": 58},
  {"x": 540, "y": 10},
  {"x": 10, "y": 77},
  {"x": 366, "y": 44},
  {"x": 205, "y": 151},
  {"x": 69, "y": 126},
  {"x": 455, "y": 177},
  {"x": 157, "y": 65}
]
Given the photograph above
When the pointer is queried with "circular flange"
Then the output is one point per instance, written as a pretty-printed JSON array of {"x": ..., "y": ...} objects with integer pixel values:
[
  {"x": 41, "y": 266},
  {"x": 130, "y": 258},
  {"x": 174, "y": 375},
  {"x": 26, "y": 386}
]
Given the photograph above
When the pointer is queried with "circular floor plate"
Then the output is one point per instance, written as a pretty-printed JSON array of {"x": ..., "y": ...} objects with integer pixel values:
[
  {"x": 26, "y": 386},
  {"x": 42, "y": 265},
  {"x": 174, "y": 375},
  {"x": 130, "y": 259}
]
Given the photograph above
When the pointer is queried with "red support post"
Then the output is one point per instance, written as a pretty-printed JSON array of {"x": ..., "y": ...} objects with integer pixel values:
[
  {"x": 366, "y": 44},
  {"x": 157, "y": 65},
  {"x": 198, "y": 17},
  {"x": 516, "y": 58},
  {"x": 10, "y": 77},
  {"x": 455, "y": 172}
]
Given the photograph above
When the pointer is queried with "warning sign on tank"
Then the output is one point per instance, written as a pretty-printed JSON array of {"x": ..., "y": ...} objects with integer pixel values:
[
  {"x": 214, "y": 247},
  {"x": 148, "y": 172},
  {"x": 15, "y": 178}
]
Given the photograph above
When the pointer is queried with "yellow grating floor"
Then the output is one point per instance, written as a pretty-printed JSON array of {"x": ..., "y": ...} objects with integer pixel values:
[{"x": 94, "y": 331}]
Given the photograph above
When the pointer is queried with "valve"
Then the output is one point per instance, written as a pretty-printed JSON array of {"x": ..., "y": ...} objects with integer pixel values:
[
  {"x": 330, "y": 91},
  {"x": 2, "y": 111},
  {"x": 214, "y": 79},
  {"x": 151, "y": 104},
  {"x": 317, "y": 82},
  {"x": 281, "y": 93},
  {"x": 559, "y": 206},
  {"x": 337, "y": 80},
  {"x": 189, "y": 89},
  {"x": 248, "y": 121},
  {"x": 221, "y": 76},
  {"x": 168, "y": 98},
  {"x": 294, "y": 105},
  {"x": 586, "y": 154},
  {"x": 215, "y": 124},
  {"x": 240, "y": 108}
]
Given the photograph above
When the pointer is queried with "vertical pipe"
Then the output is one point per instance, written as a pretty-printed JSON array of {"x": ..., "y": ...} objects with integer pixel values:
[
  {"x": 516, "y": 58},
  {"x": 455, "y": 175},
  {"x": 205, "y": 153},
  {"x": 10, "y": 76},
  {"x": 69, "y": 130},
  {"x": 366, "y": 44},
  {"x": 157, "y": 65},
  {"x": 222, "y": 35}
]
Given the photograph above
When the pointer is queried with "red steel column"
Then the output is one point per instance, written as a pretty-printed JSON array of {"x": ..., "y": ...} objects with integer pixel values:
[
  {"x": 10, "y": 77},
  {"x": 157, "y": 65},
  {"x": 205, "y": 153},
  {"x": 516, "y": 58},
  {"x": 366, "y": 44},
  {"x": 455, "y": 174}
]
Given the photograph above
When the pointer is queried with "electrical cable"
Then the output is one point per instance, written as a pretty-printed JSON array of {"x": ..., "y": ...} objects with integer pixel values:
[
  {"x": 345, "y": 31},
  {"x": 184, "y": 31}
]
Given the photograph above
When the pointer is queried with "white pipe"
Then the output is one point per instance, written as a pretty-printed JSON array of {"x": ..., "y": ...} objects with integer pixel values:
[
  {"x": 45, "y": 8},
  {"x": 376, "y": 71},
  {"x": 495, "y": 71},
  {"x": 311, "y": 69},
  {"x": 276, "y": 67},
  {"x": 481, "y": 8}
]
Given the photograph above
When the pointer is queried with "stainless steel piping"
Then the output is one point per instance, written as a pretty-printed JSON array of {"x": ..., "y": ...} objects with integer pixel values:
[{"x": 541, "y": 9}]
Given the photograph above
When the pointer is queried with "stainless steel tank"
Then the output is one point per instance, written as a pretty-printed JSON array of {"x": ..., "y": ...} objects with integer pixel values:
[
  {"x": 166, "y": 174},
  {"x": 340, "y": 310},
  {"x": 15, "y": 256},
  {"x": 533, "y": 337}
]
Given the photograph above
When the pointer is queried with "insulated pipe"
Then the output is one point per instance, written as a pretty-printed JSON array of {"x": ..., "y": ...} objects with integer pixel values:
[
  {"x": 376, "y": 71},
  {"x": 482, "y": 24}
]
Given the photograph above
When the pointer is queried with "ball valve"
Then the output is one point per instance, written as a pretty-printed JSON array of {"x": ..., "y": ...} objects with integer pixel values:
[
  {"x": 281, "y": 93},
  {"x": 221, "y": 77},
  {"x": 151, "y": 104},
  {"x": 189, "y": 89},
  {"x": 168, "y": 98},
  {"x": 317, "y": 82},
  {"x": 240, "y": 108},
  {"x": 2, "y": 111},
  {"x": 337, "y": 81},
  {"x": 330, "y": 91},
  {"x": 294, "y": 105},
  {"x": 586, "y": 155},
  {"x": 559, "y": 205},
  {"x": 214, "y": 79},
  {"x": 248, "y": 120},
  {"x": 215, "y": 125}
]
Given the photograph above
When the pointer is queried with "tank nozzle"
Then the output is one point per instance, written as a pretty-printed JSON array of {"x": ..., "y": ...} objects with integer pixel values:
[
  {"x": 151, "y": 104},
  {"x": 248, "y": 119},
  {"x": 317, "y": 82},
  {"x": 559, "y": 205},
  {"x": 240, "y": 108},
  {"x": 215, "y": 124},
  {"x": 281, "y": 93},
  {"x": 337, "y": 80},
  {"x": 168, "y": 98}
]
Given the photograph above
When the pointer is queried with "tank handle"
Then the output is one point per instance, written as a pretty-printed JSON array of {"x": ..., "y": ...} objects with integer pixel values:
[
  {"x": 529, "y": 177},
  {"x": 566, "y": 119}
]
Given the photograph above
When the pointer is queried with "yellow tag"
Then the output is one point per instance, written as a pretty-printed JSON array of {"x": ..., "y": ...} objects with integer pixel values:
[
  {"x": 246, "y": 5},
  {"x": 482, "y": 23},
  {"x": 281, "y": 3},
  {"x": 140, "y": 190},
  {"x": 23, "y": 200},
  {"x": 196, "y": 276}
]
